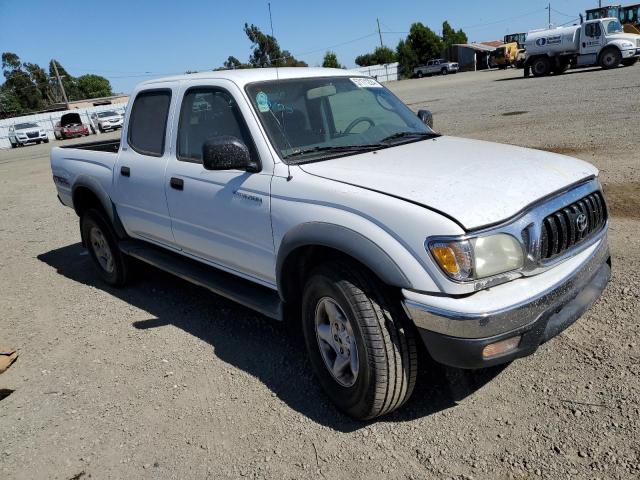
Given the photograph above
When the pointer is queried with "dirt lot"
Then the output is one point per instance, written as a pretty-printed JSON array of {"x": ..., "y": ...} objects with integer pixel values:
[{"x": 164, "y": 380}]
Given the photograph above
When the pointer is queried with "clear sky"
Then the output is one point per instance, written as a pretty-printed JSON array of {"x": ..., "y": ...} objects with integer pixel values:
[{"x": 130, "y": 41}]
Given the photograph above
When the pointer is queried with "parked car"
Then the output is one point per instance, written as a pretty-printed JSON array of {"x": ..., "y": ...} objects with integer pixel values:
[
  {"x": 70, "y": 126},
  {"x": 317, "y": 197},
  {"x": 109, "y": 120},
  {"x": 22, "y": 133},
  {"x": 436, "y": 67}
]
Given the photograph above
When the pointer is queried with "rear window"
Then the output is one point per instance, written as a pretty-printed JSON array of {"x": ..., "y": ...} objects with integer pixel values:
[{"x": 148, "y": 122}]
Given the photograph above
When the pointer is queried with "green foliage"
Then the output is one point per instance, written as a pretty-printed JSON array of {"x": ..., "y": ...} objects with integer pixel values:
[
  {"x": 28, "y": 87},
  {"x": 266, "y": 51},
  {"x": 451, "y": 37},
  {"x": 380, "y": 56},
  {"x": 94, "y": 86},
  {"x": 423, "y": 44},
  {"x": 331, "y": 60}
]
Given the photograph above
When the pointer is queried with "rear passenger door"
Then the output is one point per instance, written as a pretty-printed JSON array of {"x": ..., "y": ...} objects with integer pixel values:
[
  {"x": 139, "y": 175},
  {"x": 220, "y": 216}
]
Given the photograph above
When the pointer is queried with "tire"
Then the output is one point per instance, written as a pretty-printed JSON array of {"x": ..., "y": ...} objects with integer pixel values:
[
  {"x": 610, "y": 58},
  {"x": 101, "y": 242},
  {"x": 444, "y": 71},
  {"x": 38, "y": 142},
  {"x": 541, "y": 67},
  {"x": 13, "y": 145},
  {"x": 374, "y": 325},
  {"x": 46, "y": 140},
  {"x": 420, "y": 75},
  {"x": 629, "y": 62}
]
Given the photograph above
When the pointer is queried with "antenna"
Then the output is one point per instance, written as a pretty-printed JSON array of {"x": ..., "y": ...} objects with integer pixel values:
[
  {"x": 282, "y": 127},
  {"x": 273, "y": 37}
]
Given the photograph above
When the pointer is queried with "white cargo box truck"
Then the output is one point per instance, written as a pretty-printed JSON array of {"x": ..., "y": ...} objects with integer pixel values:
[{"x": 596, "y": 42}]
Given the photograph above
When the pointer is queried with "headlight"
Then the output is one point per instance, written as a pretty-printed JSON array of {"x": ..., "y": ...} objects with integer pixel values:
[
  {"x": 626, "y": 45},
  {"x": 480, "y": 257}
]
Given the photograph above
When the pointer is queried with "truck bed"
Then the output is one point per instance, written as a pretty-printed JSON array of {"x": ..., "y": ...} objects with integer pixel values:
[{"x": 111, "y": 146}]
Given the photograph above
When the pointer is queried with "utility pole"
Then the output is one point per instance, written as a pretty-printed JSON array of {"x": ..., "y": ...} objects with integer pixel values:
[
  {"x": 386, "y": 67},
  {"x": 64, "y": 94},
  {"x": 549, "y": 8}
]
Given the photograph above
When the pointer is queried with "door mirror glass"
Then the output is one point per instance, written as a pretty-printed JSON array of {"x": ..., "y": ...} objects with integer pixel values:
[
  {"x": 226, "y": 153},
  {"x": 426, "y": 117}
]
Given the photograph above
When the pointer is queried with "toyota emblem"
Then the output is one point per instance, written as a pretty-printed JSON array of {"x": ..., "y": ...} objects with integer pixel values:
[{"x": 581, "y": 222}]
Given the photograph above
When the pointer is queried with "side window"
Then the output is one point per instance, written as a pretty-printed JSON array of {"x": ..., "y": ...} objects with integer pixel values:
[
  {"x": 594, "y": 30},
  {"x": 148, "y": 122},
  {"x": 208, "y": 113}
]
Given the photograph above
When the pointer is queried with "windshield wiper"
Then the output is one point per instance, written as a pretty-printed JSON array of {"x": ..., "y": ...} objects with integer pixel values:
[
  {"x": 398, "y": 135},
  {"x": 336, "y": 148}
]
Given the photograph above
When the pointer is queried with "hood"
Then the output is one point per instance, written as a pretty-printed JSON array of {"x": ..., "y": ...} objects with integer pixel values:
[
  {"x": 629, "y": 37},
  {"x": 477, "y": 183},
  {"x": 70, "y": 119}
]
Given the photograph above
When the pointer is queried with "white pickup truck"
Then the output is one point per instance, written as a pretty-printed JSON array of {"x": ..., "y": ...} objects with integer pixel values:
[
  {"x": 436, "y": 67},
  {"x": 317, "y": 197},
  {"x": 594, "y": 42}
]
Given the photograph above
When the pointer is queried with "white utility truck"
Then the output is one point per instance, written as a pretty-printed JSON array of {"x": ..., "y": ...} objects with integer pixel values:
[
  {"x": 317, "y": 197},
  {"x": 595, "y": 42}
]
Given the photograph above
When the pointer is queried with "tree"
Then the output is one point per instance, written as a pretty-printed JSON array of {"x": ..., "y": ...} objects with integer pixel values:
[
  {"x": 331, "y": 60},
  {"x": 421, "y": 45},
  {"x": 9, "y": 104},
  {"x": 451, "y": 37},
  {"x": 380, "y": 56},
  {"x": 20, "y": 84},
  {"x": 266, "y": 51},
  {"x": 94, "y": 86},
  {"x": 232, "y": 63}
]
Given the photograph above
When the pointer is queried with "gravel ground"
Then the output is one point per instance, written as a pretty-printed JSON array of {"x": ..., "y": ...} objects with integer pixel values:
[{"x": 164, "y": 380}]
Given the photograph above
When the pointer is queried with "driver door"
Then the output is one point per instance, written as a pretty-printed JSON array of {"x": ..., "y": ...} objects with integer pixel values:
[{"x": 593, "y": 38}]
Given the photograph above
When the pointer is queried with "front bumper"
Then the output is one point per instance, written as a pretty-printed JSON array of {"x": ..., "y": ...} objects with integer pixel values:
[{"x": 540, "y": 319}]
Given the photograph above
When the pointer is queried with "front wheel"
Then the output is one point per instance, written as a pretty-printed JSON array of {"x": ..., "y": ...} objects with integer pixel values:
[
  {"x": 420, "y": 75},
  {"x": 628, "y": 62},
  {"x": 445, "y": 71},
  {"x": 610, "y": 58},
  {"x": 360, "y": 342},
  {"x": 102, "y": 243}
]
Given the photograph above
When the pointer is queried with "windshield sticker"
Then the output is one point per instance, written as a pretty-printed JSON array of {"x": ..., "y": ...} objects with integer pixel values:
[
  {"x": 263, "y": 102},
  {"x": 365, "y": 82}
]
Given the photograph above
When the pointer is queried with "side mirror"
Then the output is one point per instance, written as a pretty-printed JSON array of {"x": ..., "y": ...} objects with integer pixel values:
[
  {"x": 226, "y": 153},
  {"x": 426, "y": 117}
]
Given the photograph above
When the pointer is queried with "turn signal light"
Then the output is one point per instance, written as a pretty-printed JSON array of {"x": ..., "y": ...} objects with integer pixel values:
[
  {"x": 447, "y": 259},
  {"x": 503, "y": 346}
]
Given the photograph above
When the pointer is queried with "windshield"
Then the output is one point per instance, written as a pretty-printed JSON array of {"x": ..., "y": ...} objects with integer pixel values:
[
  {"x": 22, "y": 126},
  {"x": 612, "y": 26},
  {"x": 314, "y": 118},
  {"x": 107, "y": 114}
]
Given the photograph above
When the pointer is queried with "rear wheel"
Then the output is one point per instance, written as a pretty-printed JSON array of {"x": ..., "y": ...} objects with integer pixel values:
[
  {"x": 445, "y": 71},
  {"x": 628, "y": 62},
  {"x": 13, "y": 145},
  {"x": 561, "y": 67},
  {"x": 46, "y": 140},
  {"x": 541, "y": 66},
  {"x": 610, "y": 58},
  {"x": 420, "y": 75},
  {"x": 102, "y": 243},
  {"x": 360, "y": 341}
]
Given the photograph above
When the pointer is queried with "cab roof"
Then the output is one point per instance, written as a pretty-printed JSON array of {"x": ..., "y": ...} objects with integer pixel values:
[{"x": 241, "y": 77}]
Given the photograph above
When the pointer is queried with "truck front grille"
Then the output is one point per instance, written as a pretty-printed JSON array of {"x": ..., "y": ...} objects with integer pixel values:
[
  {"x": 33, "y": 134},
  {"x": 571, "y": 225}
]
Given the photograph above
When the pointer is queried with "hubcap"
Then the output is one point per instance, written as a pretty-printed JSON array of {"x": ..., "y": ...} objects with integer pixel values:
[
  {"x": 101, "y": 249},
  {"x": 609, "y": 59},
  {"x": 337, "y": 342}
]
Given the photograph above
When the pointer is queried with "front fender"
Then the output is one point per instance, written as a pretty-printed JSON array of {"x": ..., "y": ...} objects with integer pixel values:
[{"x": 347, "y": 241}]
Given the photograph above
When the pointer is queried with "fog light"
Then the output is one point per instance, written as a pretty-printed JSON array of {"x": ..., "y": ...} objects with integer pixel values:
[{"x": 498, "y": 348}]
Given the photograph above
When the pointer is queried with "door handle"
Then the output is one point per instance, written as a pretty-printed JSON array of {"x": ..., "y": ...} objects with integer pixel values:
[
  {"x": 125, "y": 171},
  {"x": 177, "y": 183}
]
